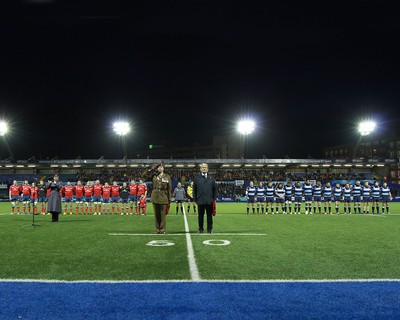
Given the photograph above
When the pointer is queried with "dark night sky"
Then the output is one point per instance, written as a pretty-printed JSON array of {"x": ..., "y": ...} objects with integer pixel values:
[{"x": 184, "y": 71}]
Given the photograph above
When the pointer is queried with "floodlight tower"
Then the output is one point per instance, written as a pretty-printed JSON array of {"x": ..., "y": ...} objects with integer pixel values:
[
  {"x": 245, "y": 128},
  {"x": 4, "y": 129},
  {"x": 122, "y": 128},
  {"x": 364, "y": 129}
]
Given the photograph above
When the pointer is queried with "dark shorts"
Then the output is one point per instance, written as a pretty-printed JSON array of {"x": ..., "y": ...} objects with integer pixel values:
[
  {"x": 336, "y": 198},
  {"x": 376, "y": 199},
  {"x": 366, "y": 199},
  {"x": 26, "y": 198},
  {"x": 178, "y": 201},
  {"x": 115, "y": 199},
  {"x": 307, "y": 198},
  {"x": 327, "y": 199},
  {"x": 106, "y": 200},
  {"x": 280, "y": 200},
  {"x": 124, "y": 200},
  {"x": 347, "y": 200},
  {"x": 189, "y": 199},
  {"x": 261, "y": 199},
  {"x": 298, "y": 199},
  {"x": 288, "y": 198},
  {"x": 78, "y": 199},
  {"x": 356, "y": 198},
  {"x": 250, "y": 200},
  {"x": 133, "y": 198},
  {"x": 385, "y": 198},
  {"x": 96, "y": 199},
  {"x": 269, "y": 199},
  {"x": 317, "y": 198}
]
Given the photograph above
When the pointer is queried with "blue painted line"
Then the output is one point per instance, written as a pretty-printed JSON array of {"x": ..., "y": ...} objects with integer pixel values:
[{"x": 200, "y": 300}]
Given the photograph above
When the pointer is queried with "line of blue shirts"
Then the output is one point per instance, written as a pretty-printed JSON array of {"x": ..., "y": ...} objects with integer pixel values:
[{"x": 317, "y": 192}]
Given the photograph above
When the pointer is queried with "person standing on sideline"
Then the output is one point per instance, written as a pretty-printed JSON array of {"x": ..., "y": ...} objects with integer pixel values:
[
  {"x": 160, "y": 196},
  {"x": 204, "y": 193},
  {"x": 179, "y": 195},
  {"x": 190, "y": 201},
  {"x": 54, "y": 203},
  {"x": 14, "y": 193}
]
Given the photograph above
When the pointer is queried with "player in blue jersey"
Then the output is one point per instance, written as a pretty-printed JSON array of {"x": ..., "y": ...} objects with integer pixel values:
[
  {"x": 260, "y": 197},
  {"x": 376, "y": 195},
  {"x": 356, "y": 192},
  {"x": 386, "y": 197},
  {"x": 288, "y": 196},
  {"x": 366, "y": 196},
  {"x": 298, "y": 197},
  {"x": 307, "y": 189},
  {"x": 347, "y": 198},
  {"x": 327, "y": 193},
  {"x": 317, "y": 196},
  {"x": 269, "y": 197},
  {"x": 280, "y": 198},
  {"x": 337, "y": 196},
  {"x": 251, "y": 196}
]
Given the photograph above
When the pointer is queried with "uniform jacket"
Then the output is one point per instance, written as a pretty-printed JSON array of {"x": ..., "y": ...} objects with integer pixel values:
[
  {"x": 204, "y": 189},
  {"x": 162, "y": 189}
]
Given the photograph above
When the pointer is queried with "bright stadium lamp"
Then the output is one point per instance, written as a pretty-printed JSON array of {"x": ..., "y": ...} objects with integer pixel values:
[
  {"x": 3, "y": 128},
  {"x": 245, "y": 127},
  {"x": 366, "y": 127},
  {"x": 121, "y": 128}
]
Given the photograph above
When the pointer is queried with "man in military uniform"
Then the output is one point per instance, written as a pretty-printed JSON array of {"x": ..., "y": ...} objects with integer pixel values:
[{"x": 160, "y": 196}]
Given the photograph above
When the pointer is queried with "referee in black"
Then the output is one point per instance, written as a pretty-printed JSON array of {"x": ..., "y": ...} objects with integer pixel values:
[{"x": 204, "y": 193}]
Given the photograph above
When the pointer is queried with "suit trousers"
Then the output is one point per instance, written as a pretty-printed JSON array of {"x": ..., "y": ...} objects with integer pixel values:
[
  {"x": 160, "y": 216},
  {"x": 205, "y": 208}
]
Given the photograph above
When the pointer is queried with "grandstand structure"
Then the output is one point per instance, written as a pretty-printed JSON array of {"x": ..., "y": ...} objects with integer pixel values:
[{"x": 379, "y": 168}]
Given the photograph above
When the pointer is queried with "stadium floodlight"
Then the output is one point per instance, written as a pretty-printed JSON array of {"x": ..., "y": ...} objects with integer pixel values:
[
  {"x": 366, "y": 127},
  {"x": 245, "y": 127},
  {"x": 3, "y": 128},
  {"x": 121, "y": 128}
]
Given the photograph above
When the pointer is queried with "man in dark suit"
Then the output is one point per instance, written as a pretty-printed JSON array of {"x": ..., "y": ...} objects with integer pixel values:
[{"x": 204, "y": 193}]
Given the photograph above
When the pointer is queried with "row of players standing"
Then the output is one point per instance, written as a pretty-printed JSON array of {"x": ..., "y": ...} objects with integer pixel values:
[
  {"x": 82, "y": 199},
  {"x": 262, "y": 198}
]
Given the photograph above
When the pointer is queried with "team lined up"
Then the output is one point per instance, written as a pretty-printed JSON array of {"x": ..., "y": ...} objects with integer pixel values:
[
  {"x": 90, "y": 198},
  {"x": 269, "y": 198}
]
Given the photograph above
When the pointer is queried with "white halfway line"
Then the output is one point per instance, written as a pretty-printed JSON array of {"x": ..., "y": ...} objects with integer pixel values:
[
  {"x": 194, "y": 271},
  {"x": 185, "y": 234}
]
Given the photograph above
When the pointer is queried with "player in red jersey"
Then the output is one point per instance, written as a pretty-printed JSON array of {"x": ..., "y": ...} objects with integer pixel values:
[
  {"x": 34, "y": 197},
  {"x": 26, "y": 197},
  {"x": 14, "y": 193},
  {"x": 115, "y": 188},
  {"x": 142, "y": 204},
  {"x": 97, "y": 192},
  {"x": 79, "y": 191},
  {"x": 106, "y": 198},
  {"x": 132, "y": 195},
  {"x": 141, "y": 192},
  {"x": 88, "y": 189},
  {"x": 68, "y": 194}
]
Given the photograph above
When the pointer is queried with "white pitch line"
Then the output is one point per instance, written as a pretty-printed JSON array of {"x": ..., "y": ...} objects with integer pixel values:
[
  {"x": 185, "y": 234},
  {"x": 204, "y": 281},
  {"x": 194, "y": 271}
]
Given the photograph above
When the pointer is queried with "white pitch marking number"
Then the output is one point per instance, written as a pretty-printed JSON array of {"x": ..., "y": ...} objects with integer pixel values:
[
  {"x": 217, "y": 242},
  {"x": 160, "y": 243}
]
